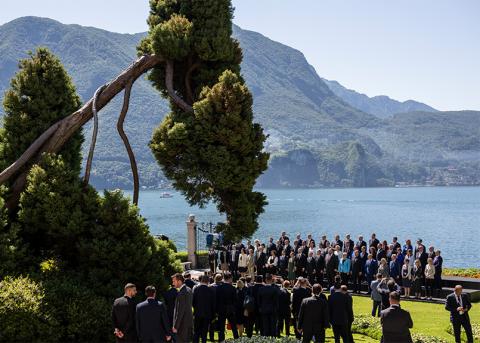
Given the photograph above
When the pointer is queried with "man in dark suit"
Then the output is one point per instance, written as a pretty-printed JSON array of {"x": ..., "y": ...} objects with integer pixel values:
[
  {"x": 284, "y": 310},
  {"x": 188, "y": 280},
  {"x": 331, "y": 266},
  {"x": 319, "y": 267},
  {"x": 300, "y": 292},
  {"x": 357, "y": 269},
  {"x": 261, "y": 261},
  {"x": 123, "y": 315},
  {"x": 268, "y": 305},
  {"x": 313, "y": 317},
  {"x": 311, "y": 267},
  {"x": 182, "y": 324},
  {"x": 396, "y": 322},
  {"x": 254, "y": 317},
  {"x": 169, "y": 298},
  {"x": 300, "y": 263},
  {"x": 370, "y": 270},
  {"x": 226, "y": 296},
  {"x": 339, "y": 315},
  {"x": 459, "y": 304},
  {"x": 151, "y": 319},
  {"x": 373, "y": 242},
  {"x": 218, "y": 280},
  {"x": 204, "y": 307}
]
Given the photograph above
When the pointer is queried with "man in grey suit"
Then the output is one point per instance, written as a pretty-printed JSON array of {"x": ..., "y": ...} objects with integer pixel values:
[
  {"x": 182, "y": 315},
  {"x": 396, "y": 322}
]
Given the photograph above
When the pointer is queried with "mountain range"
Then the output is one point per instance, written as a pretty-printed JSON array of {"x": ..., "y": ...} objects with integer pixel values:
[{"x": 320, "y": 133}]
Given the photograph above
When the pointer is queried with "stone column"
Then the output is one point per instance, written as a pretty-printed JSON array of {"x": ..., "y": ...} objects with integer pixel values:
[{"x": 192, "y": 240}]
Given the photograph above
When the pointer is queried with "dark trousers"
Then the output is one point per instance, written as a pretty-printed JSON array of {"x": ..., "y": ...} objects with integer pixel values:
[
  {"x": 249, "y": 323},
  {"x": 457, "y": 327},
  {"x": 284, "y": 320},
  {"x": 311, "y": 279},
  {"x": 429, "y": 287},
  {"x": 341, "y": 331},
  {"x": 357, "y": 282},
  {"x": 222, "y": 317},
  {"x": 344, "y": 277},
  {"x": 331, "y": 278},
  {"x": 200, "y": 329},
  {"x": 377, "y": 308},
  {"x": 320, "y": 279},
  {"x": 298, "y": 335},
  {"x": 317, "y": 336},
  {"x": 269, "y": 325},
  {"x": 211, "y": 330}
]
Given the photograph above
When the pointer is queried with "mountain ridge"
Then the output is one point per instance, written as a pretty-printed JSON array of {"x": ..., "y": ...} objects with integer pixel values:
[{"x": 297, "y": 108}]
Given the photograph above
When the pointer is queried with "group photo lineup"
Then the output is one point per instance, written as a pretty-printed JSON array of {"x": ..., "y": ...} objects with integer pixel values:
[{"x": 245, "y": 171}]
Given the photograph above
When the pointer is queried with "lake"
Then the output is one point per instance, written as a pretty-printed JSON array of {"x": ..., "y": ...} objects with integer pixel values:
[{"x": 445, "y": 217}]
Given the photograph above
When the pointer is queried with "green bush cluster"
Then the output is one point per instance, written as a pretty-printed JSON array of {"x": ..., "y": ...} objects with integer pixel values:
[
  {"x": 463, "y": 272},
  {"x": 475, "y": 331},
  {"x": 371, "y": 326},
  {"x": 75, "y": 248},
  {"x": 260, "y": 339}
]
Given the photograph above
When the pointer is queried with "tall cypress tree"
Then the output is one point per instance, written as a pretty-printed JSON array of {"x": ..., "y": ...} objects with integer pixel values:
[
  {"x": 208, "y": 144},
  {"x": 40, "y": 94}
]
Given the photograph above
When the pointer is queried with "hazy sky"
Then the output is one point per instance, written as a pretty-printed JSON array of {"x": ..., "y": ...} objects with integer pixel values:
[{"x": 427, "y": 50}]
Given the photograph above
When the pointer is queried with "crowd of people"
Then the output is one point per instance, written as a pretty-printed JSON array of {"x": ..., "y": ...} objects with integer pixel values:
[
  {"x": 254, "y": 290},
  {"x": 413, "y": 268}
]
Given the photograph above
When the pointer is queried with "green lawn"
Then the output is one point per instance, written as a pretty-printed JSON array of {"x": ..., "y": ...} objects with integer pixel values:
[{"x": 428, "y": 319}]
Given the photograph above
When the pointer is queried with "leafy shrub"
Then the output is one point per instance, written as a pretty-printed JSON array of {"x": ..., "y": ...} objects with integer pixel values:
[
  {"x": 182, "y": 256},
  {"x": 463, "y": 272},
  {"x": 82, "y": 315},
  {"x": 260, "y": 339},
  {"x": 22, "y": 315},
  {"x": 367, "y": 325},
  {"x": 370, "y": 326},
  {"x": 419, "y": 338},
  {"x": 475, "y": 330}
]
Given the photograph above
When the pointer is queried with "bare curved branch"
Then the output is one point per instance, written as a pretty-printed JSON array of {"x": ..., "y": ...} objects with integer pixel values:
[
  {"x": 171, "y": 91},
  {"x": 131, "y": 155},
  {"x": 188, "y": 80},
  {"x": 55, "y": 137},
  {"x": 93, "y": 142}
]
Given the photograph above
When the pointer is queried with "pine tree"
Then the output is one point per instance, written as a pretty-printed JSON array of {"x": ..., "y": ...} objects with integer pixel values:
[
  {"x": 208, "y": 144},
  {"x": 40, "y": 94}
]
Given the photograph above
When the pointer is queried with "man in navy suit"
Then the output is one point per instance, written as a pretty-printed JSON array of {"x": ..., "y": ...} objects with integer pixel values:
[
  {"x": 458, "y": 304},
  {"x": 151, "y": 319}
]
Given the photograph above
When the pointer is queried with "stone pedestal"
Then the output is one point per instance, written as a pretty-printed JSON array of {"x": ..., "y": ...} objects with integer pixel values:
[{"x": 192, "y": 240}]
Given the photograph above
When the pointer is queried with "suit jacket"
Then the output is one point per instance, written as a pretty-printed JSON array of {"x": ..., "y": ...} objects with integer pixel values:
[
  {"x": 152, "y": 321},
  {"x": 204, "y": 301},
  {"x": 311, "y": 264},
  {"x": 123, "y": 317},
  {"x": 451, "y": 305},
  {"x": 313, "y": 315},
  {"x": 357, "y": 265},
  {"x": 284, "y": 303},
  {"x": 268, "y": 299},
  {"x": 190, "y": 283},
  {"x": 226, "y": 296},
  {"x": 331, "y": 263},
  {"x": 339, "y": 305},
  {"x": 319, "y": 264},
  {"x": 183, "y": 316},
  {"x": 396, "y": 325},
  {"x": 371, "y": 268},
  {"x": 298, "y": 294},
  {"x": 170, "y": 297}
]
